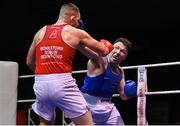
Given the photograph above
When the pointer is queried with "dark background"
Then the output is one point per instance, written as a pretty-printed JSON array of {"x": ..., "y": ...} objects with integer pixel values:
[{"x": 151, "y": 25}]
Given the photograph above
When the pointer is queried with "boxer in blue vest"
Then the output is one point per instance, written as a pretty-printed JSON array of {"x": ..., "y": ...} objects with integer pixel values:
[{"x": 104, "y": 77}]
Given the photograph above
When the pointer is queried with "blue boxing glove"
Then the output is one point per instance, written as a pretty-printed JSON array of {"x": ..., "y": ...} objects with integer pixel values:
[
  {"x": 80, "y": 25},
  {"x": 130, "y": 88}
]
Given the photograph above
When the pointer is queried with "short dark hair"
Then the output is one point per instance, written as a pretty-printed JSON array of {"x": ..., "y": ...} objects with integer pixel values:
[{"x": 125, "y": 41}]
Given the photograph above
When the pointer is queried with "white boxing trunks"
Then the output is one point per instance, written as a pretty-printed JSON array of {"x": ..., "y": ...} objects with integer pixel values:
[
  {"x": 103, "y": 111},
  {"x": 58, "y": 90}
]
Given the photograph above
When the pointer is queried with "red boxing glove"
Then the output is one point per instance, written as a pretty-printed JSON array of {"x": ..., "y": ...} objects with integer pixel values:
[{"x": 107, "y": 44}]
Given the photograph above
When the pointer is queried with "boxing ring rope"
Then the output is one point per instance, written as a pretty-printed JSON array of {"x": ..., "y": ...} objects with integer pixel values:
[
  {"x": 156, "y": 93},
  {"x": 141, "y": 91}
]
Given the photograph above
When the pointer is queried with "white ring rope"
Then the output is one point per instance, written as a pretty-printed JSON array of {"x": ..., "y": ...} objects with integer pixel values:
[
  {"x": 153, "y": 65},
  {"x": 25, "y": 101},
  {"x": 162, "y": 92},
  {"x": 157, "y": 93},
  {"x": 125, "y": 68},
  {"x": 26, "y": 76}
]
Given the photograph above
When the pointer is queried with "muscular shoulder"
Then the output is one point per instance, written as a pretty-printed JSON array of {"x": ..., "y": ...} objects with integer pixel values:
[
  {"x": 72, "y": 35},
  {"x": 68, "y": 29},
  {"x": 39, "y": 35},
  {"x": 96, "y": 66}
]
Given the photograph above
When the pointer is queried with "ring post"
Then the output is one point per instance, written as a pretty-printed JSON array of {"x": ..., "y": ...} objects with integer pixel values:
[
  {"x": 141, "y": 102},
  {"x": 8, "y": 92}
]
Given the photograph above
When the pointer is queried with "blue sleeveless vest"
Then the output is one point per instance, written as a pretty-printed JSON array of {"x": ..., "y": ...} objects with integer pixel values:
[{"x": 103, "y": 85}]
